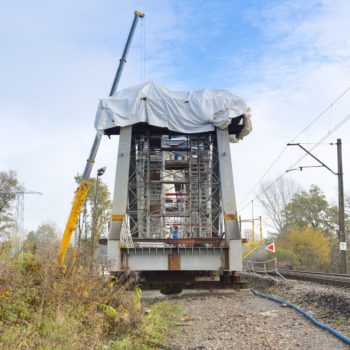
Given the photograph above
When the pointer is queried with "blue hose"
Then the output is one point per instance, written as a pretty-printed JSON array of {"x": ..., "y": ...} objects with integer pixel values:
[{"x": 340, "y": 336}]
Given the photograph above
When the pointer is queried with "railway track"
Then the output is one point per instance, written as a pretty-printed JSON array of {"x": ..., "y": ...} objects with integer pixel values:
[
  {"x": 332, "y": 278},
  {"x": 320, "y": 277}
]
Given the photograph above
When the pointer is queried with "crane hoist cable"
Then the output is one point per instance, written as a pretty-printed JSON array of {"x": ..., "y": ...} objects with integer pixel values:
[{"x": 84, "y": 186}]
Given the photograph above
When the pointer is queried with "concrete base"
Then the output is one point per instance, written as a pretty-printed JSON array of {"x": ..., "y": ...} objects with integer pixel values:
[
  {"x": 235, "y": 255},
  {"x": 114, "y": 255}
]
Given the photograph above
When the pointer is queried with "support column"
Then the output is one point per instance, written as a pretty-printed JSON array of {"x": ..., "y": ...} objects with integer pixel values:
[
  {"x": 120, "y": 198},
  {"x": 232, "y": 231}
]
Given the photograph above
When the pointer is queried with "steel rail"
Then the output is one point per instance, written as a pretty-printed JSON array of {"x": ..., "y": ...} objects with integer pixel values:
[{"x": 321, "y": 277}]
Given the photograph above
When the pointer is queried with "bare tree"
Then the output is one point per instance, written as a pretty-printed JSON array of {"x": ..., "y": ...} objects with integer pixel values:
[
  {"x": 347, "y": 202},
  {"x": 274, "y": 196}
]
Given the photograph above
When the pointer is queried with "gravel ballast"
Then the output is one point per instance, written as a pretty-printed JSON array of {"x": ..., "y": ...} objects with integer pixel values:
[
  {"x": 240, "y": 320},
  {"x": 329, "y": 304}
]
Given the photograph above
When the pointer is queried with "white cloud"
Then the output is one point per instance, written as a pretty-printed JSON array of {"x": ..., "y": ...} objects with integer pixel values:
[
  {"x": 303, "y": 68},
  {"x": 58, "y": 60}
]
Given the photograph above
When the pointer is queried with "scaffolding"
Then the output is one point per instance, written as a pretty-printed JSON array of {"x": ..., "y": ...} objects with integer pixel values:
[
  {"x": 173, "y": 182},
  {"x": 174, "y": 203}
]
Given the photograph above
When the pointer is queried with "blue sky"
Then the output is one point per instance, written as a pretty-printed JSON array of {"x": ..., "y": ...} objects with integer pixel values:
[{"x": 288, "y": 59}]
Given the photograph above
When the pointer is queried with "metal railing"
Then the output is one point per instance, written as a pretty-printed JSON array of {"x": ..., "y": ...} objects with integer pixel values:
[{"x": 266, "y": 267}]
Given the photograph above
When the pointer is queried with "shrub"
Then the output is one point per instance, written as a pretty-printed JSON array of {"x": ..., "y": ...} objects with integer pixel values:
[{"x": 41, "y": 307}]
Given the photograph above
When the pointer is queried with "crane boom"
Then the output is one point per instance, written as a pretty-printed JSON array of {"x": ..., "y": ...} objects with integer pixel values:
[{"x": 84, "y": 186}]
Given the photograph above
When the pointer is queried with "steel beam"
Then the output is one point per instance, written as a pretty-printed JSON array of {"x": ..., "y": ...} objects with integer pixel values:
[
  {"x": 232, "y": 231},
  {"x": 120, "y": 198}
]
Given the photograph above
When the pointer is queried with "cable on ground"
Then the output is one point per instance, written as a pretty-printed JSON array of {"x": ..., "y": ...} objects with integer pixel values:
[{"x": 331, "y": 330}]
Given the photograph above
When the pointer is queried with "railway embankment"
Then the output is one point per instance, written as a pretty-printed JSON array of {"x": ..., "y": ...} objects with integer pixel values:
[
  {"x": 328, "y": 303},
  {"x": 241, "y": 320}
]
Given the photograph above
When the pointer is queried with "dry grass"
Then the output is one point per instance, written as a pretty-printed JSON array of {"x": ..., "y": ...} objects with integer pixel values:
[{"x": 43, "y": 308}]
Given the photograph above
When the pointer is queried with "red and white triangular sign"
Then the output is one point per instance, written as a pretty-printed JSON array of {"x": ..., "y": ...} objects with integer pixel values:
[{"x": 271, "y": 247}]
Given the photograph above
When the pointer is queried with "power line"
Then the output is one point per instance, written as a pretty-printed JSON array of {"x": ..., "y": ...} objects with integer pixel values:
[
  {"x": 292, "y": 140},
  {"x": 265, "y": 189},
  {"x": 322, "y": 113},
  {"x": 264, "y": 175},
  {"x": 341, "y": 123}
]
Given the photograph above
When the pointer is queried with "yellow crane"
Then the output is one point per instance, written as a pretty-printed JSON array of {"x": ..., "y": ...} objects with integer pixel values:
[{"x": 84, "y": 186}]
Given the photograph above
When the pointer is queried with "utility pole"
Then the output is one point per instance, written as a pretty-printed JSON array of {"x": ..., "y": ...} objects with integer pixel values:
[
  {"x": 260, "y": 225},
  {"x": 342, "y": 236},
  {"x": 341, "y": 210}
]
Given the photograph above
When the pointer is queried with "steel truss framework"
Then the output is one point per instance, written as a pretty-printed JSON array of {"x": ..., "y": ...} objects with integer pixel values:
[
  {"x": 166, "y": 179},
  {"x": 174, "y": 181}
]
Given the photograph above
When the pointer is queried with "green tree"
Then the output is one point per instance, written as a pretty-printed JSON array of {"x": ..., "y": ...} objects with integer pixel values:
[
  {"x": 31, "y": 242},
  {"x": 312, "y": 209},
  {"x": 95, "y": 216},
  {"x": 8, "y": 188},
  {"x": 42, "y": 242},
  {"x": 99, "y": 196}
]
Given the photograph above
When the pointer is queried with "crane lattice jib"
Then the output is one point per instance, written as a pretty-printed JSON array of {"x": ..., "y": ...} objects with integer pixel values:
[
  {"x": 83, "y": 189},
  {"x": 78, "y": 202}
]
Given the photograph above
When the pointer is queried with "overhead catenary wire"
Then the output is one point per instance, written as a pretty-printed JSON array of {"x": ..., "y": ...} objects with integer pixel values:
[
  {"x": 329, "y": 133},
  {"x": 262, "y": 177},
  {"x": 322, "y": 113}
]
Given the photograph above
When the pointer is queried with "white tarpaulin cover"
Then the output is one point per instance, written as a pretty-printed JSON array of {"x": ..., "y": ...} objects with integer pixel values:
[{"x": 184, "y": 112}]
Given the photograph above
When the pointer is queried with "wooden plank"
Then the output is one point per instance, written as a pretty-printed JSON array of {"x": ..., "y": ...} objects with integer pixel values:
[{"x": 174, "y": 261}]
